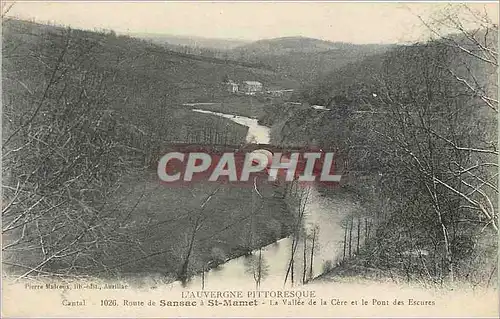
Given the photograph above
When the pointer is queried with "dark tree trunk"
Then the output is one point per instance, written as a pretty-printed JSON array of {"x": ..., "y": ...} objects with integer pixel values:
[
  {"x": 312, "y": 254},
  {"x": 304, "y": 261},
  {"x": 350, "y": 237},
  {"x": 357, "y": 244},
  {"x": 345, "y": 242}
]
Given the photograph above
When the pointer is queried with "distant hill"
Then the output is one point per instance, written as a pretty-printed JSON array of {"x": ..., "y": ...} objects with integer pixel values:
[
  {"x": 286, "y": 45},
  {"x": 352, "y": 79},
  {"x": 192, "y": 41},
  {"x": 305, "y": 59},
  {"x": 299, "y": 58}
]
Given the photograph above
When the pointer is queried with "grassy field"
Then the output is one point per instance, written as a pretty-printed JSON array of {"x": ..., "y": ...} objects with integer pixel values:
[{"x": 238, "y": 104}]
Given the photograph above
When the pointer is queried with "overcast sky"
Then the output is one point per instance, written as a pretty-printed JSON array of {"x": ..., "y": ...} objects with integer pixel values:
[{"x": 349, "y": 22}]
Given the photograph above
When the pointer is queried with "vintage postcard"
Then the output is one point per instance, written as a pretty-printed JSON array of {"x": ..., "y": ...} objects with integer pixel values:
[{"x": 249, "y": 159}]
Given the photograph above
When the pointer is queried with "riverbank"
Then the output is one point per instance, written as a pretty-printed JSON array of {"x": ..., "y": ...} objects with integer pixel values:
[
  {"x": 354, "y": 273},
  {"x": 165, "y": 216},
  {"x": 147, "y": 227},
  {"x": 315, "y": 240}
]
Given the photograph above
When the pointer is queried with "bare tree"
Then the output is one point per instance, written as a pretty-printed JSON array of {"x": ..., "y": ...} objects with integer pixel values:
[
  {"x": 197, "y": 219},
  {"x": 351, "y": 225},
  {"x": 58, "y": 147},
  {"x": 6, "y": 7},
  {"x": 313, "y": 247},
  {"x": 257, "y": 267},
  {"x": 304, "y": 259},
  {"x": 296, "y": 232}
]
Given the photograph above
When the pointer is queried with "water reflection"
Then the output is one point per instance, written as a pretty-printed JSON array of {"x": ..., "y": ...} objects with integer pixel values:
[{"x": 290, "y": 261}]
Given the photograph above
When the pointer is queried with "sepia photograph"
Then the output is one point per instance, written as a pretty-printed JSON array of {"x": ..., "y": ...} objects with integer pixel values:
[{"x": 249, "y": 158}]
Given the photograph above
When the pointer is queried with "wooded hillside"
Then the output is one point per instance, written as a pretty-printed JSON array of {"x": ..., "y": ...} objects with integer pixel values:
[
  {"x": 419, "y": 126},
  {"x": 85, "y": 118}
]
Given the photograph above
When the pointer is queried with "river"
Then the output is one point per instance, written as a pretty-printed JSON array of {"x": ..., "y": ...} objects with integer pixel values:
[{"x": 322, "y": 216}]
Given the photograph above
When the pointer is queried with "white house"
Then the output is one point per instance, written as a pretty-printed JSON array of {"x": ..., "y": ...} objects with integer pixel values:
[
  {"x": 251, "y": 87},
  {"x": 232, "y": 87}
]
